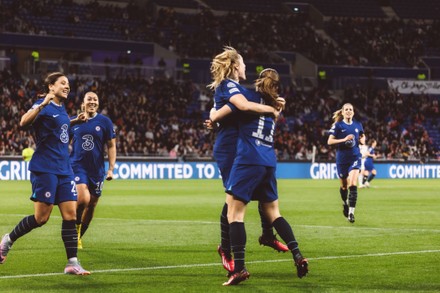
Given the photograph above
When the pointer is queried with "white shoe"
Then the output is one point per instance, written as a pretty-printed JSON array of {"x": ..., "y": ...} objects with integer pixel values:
[
  {"x": 75, "y": 268},
  {"x": 5, "y": 246}
]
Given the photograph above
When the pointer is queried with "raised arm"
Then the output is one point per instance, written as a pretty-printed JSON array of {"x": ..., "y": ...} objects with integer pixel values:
[{"x": 29, "y": 117}]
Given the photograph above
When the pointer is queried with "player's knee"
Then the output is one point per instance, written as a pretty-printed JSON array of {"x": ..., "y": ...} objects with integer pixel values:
[{"x": 41, "y": 220}]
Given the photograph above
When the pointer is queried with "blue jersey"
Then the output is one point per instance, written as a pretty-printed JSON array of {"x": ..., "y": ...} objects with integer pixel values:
[
  {"x": 347, "y": 152},
  {"x": 52, "y": 140},
  {"x": 369, "y": 164},
  {"x": 88, "y": 142},
  {"x": 255, "y": 145},
  {"x": 227, "y": 132}
]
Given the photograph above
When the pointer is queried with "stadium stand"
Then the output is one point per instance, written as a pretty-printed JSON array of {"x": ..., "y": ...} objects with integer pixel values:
[{"x": 165, "y": 113}]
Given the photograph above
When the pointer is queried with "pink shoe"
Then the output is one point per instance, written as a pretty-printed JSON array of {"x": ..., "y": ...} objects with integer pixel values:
[
  {"x": 75, "y": 268},
  {"x": 227, "y": 262}
]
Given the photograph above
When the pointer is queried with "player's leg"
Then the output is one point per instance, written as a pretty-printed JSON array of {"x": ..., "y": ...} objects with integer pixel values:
[
  {"x": 43, "y": 195},
  {"x": 343, "y": 188},
  {"x": 82, "y": 203},
  {"x": 286, "y": 233},
  {"x": 88, "y": 215},
  {"x": 224, "y": 249},
  {"x": 27, "y": 224},
  {"x": 353, "y": 193},
  {"x": 268, "y": 237},
  {"x": 66, "y": 195},
  {"x": 365, "y": 176},
  {"x": 236, "y": 212},
  {"x": 371, "y": 177}
]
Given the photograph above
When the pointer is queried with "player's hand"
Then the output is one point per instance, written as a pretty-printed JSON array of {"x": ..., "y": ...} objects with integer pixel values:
[
  {"x": 82, "y": 117},
  {"x": 281, "y": 103},
  {"x": 49, "y": 97},
  {"x": 208, "y": 124},
  {"x": 109, "y": 175},
  {"x": 349, "y": 137}
]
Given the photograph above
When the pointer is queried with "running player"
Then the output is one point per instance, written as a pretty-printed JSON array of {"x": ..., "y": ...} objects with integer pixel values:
[
  {"x": 346, "y": 134},
  {"x": 51, "y": 172},
  {"x": 369, "y": 172},
  {"x": 87, "y": 158}
]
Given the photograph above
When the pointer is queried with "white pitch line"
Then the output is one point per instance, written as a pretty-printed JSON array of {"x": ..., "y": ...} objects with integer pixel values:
[
  {"x": 216, "y": 223},
  {"x": 217, "y": 264}
]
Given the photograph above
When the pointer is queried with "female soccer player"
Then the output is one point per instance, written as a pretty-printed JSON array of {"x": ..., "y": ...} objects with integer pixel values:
[
  {"x": 227, "y": 69},
  {"x": 51, "y": 172},
  {"x": 252, "y": 177},
  {"x": 87, "y": 159},
  {"x": 369, "y": 171},
  {"x": 346, "y": 134}
]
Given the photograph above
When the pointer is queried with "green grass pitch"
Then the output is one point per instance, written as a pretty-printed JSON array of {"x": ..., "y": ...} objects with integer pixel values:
[{"x": 162, "y": 235}]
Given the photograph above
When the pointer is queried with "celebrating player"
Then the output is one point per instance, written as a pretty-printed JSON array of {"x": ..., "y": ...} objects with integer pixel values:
[
  {"x": 252, "y": 177},
  {"x": 87, "y": 158},
  {"x": 346, "y": 134},
  {"x": 227, "y": 69},
  {"x": 51, "y": 172}
]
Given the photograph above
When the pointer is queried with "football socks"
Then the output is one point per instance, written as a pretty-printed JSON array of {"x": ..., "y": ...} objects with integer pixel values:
[{"x": 26, "y": 225}]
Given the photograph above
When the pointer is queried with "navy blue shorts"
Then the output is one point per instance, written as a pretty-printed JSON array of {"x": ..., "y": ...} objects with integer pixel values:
[
  {"x": 94, "y": 184},
  {"x": 52, "y": 188},
  {"x": 224, "y": 164},
  {"x": 369, "y": 165},
  {"x": 253, "y": 182},
  {"x": 344, "y": 169}
]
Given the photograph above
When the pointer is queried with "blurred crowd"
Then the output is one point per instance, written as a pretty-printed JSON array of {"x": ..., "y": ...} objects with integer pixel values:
[
  {"x": 163, "y": 118},
  {"x": 338, "y": 41}
]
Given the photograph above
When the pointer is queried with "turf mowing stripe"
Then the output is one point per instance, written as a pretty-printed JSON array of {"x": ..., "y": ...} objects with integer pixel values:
[
  {"x": 218, "y": 264},
  {"x": 216, "y": 223}
]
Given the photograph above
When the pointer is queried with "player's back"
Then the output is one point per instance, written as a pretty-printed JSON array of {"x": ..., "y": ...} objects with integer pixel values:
[
  {"x": 227, "y": 131},
  {"x": 256, "y": 137}
]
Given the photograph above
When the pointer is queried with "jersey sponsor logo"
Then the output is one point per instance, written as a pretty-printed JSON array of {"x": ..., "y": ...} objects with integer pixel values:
[
  {"x": 97, "y": 128},
  {"x": 260, "y": 143},
  {"x": 64, "y": 136},
  {"x": 47, "y": 194},
  {"x": 88, "y": 143},
  {"x": 55, "y": 115},
  {"x": 350, "y": 143},
  {"x": 234, "y": 90}
]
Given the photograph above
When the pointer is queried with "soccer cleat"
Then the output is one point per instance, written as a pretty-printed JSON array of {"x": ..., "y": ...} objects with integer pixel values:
[
  {"x": 75, "y": 268},
  {"x": 351, "y": 218},
  {"x": 78, "y": 230},
  {"x": 227, "y": 261},
  {"x": 274, "y": 243},
  {"x": 237, "y": 278},
  {"x": 345, "y": 210},
  {"x": 367, "y": 184},
  {"x": 302, "y": 265},
  {"x": 5, "y": 246}
]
